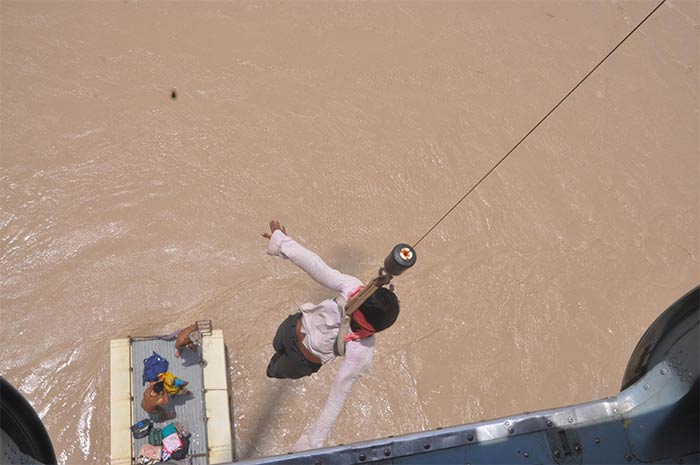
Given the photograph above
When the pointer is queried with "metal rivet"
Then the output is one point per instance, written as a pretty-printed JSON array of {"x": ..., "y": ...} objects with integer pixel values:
[
  {"x": 663, "y": 371},
  {"x": 507, "y": 423},
  {"x": 556, "y": 453},
  {"x": 426, "y": 445},
  {"x": 577, "y": 447},
  {"x": 549, "y": 422},
  {"x": 362, "y": 457},
  {"x": 470, "y": 437},
  {"x": 614, "y": 410},
  {"x": 597, "y": 440},
  {"x": 646, "y": 387},
  {"x": 570, "y": 420},
  {"x": 510, "y": 430},
  {"x": 387, "y": 452},
  {"x": 628, "y": 457},
  {"x": 526, "y": 455}
]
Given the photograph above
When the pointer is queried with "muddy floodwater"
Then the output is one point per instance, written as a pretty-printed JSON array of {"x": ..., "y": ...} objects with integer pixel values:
[{"x": 125, "y": 211}]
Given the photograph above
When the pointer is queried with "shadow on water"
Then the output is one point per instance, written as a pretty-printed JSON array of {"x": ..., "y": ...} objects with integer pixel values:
[
  {"x": 231, "y": 410},
  {"x": 352, "y": 261},
  {"x": 348, "y": 261},
  {"x": 277, "y": 395}
]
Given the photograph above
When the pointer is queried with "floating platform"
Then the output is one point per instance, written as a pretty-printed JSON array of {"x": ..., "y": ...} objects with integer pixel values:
[{"x": 211, "y": 440}]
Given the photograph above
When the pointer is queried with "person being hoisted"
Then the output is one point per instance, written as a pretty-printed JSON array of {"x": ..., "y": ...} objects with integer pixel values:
[{"x": 308, "y": 339}]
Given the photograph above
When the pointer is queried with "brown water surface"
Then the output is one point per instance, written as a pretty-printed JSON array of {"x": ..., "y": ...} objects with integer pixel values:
[{"x": 125, "y": 212}]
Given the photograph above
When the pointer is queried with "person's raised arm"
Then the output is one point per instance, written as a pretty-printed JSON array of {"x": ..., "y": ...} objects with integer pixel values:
[{"x": 282, "y": 245}]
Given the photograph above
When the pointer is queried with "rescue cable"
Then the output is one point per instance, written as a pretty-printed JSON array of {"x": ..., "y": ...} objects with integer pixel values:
[
  {"x": 537, "y": 125},
  {"x": 403, "y": 256}
]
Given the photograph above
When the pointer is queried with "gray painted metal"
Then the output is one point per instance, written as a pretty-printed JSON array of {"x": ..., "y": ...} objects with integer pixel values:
[{"x": 190, "y": 412}]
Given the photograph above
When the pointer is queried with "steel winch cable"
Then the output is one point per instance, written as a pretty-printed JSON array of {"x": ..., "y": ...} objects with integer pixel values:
[{"x": 493, "y": 168}]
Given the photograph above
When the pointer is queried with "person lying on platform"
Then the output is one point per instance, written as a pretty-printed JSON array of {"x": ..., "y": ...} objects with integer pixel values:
[
  {"x": 306, "y": 340},
  {"x": 155, "y": 399},
  {"x": 189, "y": 338}
]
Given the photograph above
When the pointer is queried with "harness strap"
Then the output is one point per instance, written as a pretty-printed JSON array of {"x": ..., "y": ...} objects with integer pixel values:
[{"x": 339, "y": 346}]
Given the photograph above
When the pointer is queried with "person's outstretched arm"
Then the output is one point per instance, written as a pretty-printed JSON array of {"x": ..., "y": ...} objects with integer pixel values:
[
  {"x": 356, "y": 361},
  {"x": 282, "y": 245}
]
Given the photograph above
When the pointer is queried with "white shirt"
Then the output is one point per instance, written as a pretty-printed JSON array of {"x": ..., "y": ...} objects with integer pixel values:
[{"x": 320, "y": 324}]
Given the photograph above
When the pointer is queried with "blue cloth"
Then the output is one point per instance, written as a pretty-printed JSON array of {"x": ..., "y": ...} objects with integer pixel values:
[{"x": 152, "y": 366}]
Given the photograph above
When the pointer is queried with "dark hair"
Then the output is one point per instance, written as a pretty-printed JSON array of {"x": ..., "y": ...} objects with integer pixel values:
[
  {"x": 158, "y": 387},
  {"x": 380, "y": 310}
]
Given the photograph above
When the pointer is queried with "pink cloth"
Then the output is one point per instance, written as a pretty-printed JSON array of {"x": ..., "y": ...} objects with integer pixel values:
[
  {"x": 149, "y": 454},
  {"x": 172, "y": 443},
  {"x": 366, "y": 329}
]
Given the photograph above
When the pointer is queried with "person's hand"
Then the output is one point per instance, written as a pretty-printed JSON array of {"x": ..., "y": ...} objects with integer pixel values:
[{"x": 274, "y": 226}]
